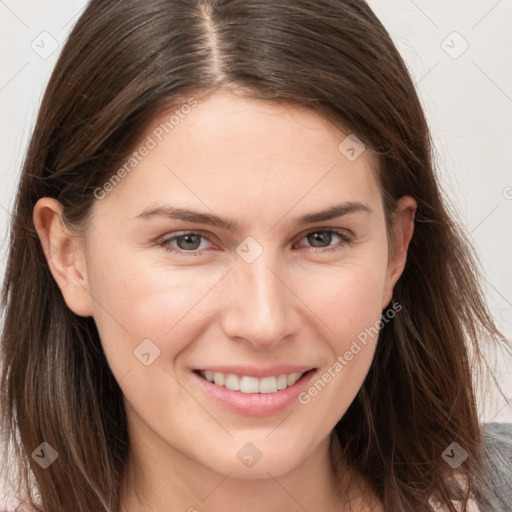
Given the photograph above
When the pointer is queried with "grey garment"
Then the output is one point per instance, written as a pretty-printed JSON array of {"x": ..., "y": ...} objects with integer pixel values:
[{"x": 498, "y": 450}]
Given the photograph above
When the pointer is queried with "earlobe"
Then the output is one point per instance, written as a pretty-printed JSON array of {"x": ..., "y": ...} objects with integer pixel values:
[
  {"x": 402, "y": 232},
  {"x": 64, "y": 254}
]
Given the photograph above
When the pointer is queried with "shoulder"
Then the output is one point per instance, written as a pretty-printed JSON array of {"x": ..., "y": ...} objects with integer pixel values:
[
  {"x": 498, "y": 446},
  {"x": 498, "y": 454}
]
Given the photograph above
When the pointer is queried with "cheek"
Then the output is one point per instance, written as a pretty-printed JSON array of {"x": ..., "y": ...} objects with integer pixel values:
[
  {"x": 347, "y": 299},
  {"x": 135, "y": 302},
  {"x": 349, "y": 304}
]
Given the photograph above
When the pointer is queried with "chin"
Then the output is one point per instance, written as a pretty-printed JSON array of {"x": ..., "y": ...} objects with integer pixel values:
[{"x": 253, "y": 460}]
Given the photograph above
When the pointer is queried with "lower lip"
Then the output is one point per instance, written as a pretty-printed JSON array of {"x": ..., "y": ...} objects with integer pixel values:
[{"x": 254, "y": 404}]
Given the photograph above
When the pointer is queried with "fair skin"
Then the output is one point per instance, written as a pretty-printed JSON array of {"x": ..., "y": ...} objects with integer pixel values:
[{"x": 262, "y": 166}]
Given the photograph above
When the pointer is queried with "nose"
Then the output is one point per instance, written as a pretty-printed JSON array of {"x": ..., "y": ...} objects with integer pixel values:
[{"x": 260, "y": 309}]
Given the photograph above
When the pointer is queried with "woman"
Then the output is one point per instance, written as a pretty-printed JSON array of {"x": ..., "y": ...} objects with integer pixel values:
[{"x": 232, "y": 280}]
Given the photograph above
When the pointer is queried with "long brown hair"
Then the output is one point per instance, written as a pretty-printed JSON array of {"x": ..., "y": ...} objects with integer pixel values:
[{"x": 123, "y": 64}]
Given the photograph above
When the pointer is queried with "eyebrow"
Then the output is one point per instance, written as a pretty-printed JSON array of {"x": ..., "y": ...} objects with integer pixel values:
[{"x": 211, "y": 219}]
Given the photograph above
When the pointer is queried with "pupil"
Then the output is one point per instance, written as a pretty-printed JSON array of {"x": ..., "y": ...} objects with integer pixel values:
[
  {"x": 194, "y": 240},
  {"x": 320, "y": 236}
]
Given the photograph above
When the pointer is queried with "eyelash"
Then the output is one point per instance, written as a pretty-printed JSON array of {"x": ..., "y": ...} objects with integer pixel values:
[{"x": 346, "y": 239}]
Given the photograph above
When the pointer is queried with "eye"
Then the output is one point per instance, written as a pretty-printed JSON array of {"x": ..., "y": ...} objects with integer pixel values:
[
  {"x": 187, "y": 242},
  {"x": 323, "y": 238}
]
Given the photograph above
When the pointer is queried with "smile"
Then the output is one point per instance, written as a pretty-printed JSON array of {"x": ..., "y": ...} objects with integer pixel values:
[
  {"x": 240, "y": 391},
  {"x": 248, "y": 384}
]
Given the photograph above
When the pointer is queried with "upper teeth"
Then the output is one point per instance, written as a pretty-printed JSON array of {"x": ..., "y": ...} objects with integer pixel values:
[{"x": 247, "y": 384}]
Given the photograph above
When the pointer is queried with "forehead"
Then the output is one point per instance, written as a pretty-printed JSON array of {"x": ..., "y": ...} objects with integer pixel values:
[{"x": 229, "y": 151}]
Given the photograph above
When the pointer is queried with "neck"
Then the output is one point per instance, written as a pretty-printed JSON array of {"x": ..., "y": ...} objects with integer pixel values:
[{"x": 162, "y": 479}]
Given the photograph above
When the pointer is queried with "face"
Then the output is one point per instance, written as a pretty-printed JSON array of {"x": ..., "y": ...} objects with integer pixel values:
[{"x": 277, "y": 275}]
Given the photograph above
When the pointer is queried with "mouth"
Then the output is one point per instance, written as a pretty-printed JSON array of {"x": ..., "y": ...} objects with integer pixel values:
[
  {"x": 243, "y": 391},
  {"x": 250, "y": 384}
]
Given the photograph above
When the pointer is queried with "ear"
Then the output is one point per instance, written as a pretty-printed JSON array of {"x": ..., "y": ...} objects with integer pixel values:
[
  {"x": 65, "y": 255},
  {"x": 402, "y": 229}
]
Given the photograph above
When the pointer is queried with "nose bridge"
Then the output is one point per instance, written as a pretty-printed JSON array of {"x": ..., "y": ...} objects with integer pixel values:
[{"x": 260, "y": 305}]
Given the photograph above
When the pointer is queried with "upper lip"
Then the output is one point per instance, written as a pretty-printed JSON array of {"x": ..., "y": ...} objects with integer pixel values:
[{"x": 258, "y": 372}]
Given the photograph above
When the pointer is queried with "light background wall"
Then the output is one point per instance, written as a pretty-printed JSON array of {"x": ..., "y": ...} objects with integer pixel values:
[{"x": 457, "y": 52}]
